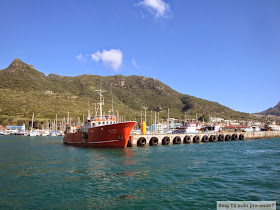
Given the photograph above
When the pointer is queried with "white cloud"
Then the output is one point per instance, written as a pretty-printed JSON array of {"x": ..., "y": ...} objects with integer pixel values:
[
  {"x": 111, "y": 58},
  {"x": 135, "y": 64},
  {"x": 96, "y": 56},
  {"x": 157, "y": 7},
  {"x": 81, "y": 57}
]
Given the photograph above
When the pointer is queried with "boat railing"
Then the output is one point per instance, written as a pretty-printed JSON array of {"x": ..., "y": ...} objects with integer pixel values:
[{"x": 104, "y": 118}]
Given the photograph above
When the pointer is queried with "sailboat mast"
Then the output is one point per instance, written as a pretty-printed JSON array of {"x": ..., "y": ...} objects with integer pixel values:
[{"x": 32, "y": 121}]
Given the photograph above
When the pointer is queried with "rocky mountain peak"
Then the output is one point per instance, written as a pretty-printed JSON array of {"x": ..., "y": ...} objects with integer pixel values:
[
  {"x": 18, "y": 63},
  {"x": 53, "y": 75},
  {"x": 272, "y": 111}
]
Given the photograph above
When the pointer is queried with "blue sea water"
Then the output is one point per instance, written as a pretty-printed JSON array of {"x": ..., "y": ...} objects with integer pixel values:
[{"x": 43, "y": 173}]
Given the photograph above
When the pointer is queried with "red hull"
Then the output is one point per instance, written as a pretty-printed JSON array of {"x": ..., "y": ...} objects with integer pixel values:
[{"x": 106, "y": 136}]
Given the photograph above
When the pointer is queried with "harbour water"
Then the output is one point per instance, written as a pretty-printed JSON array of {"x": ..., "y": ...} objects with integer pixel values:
[{"x": 41, "y": 172}]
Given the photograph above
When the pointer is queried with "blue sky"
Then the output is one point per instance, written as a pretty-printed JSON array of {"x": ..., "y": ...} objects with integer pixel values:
[{"x": 226, "y": 51}]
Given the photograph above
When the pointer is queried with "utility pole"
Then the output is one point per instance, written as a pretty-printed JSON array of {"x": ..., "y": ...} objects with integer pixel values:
[
  {"x": 158, "y": 118},
  {"x": 155, "y": 121},
  {"x": 168, "y": 119},
  {"x": 117, "y": 115},
  {"x": 145, "y": 108},
  {"x": 151, "y": 117}
]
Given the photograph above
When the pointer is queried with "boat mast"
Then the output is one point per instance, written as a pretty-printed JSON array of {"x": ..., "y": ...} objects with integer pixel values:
[
  {"x": 101, "y": 101},
  {"x": 56, "y": 122},
  {"x": 112, "y": 100},
  {"x": 32, "y": 121}
]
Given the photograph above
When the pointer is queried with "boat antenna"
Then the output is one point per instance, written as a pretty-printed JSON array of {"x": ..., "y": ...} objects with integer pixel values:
[
  {"x": 101, "y": 99},
  {"x": 112, "y": 99},
  {"x": 88, "y": 110}
]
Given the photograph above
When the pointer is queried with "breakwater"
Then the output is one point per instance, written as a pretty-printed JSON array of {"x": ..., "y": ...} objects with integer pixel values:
[{"x": 167, "y": 139}]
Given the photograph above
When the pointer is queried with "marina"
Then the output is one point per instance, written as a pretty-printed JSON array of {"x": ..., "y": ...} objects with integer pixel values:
[{"x": 147, "y": 104}]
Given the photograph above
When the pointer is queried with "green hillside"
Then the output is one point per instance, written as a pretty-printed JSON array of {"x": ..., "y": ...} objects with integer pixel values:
[
  {"x": 272, "y": 111},
  {"x": 24, "y": 90}
]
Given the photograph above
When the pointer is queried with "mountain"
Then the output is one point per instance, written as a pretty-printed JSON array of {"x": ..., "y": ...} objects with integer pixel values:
[
  {"x": 24, "y": 90},
  {"x": 272, "y": 111}
]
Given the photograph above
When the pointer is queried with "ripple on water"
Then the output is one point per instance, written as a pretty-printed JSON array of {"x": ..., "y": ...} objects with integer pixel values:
[{"x": 44, "y": 173}]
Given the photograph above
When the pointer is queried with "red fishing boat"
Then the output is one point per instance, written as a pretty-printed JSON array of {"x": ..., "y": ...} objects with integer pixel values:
[{"x": 100, "y": 131}]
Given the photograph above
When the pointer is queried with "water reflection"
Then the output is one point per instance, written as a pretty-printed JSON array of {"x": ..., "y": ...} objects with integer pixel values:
[
  {"x": 128, "y": 157},
  {"x": 104, "y": 163}
]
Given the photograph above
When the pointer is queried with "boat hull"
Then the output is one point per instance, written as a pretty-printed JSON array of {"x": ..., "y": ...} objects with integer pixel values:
[{"x": 106, "y": 136}]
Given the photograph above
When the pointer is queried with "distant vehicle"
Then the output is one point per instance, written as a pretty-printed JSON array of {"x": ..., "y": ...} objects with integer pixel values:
[
  {"x": 256, "y": 128},
  {"x": 251, "y": 129},
  {"x": 136, "y": 132},
  {"x": 168, "y": 132}
]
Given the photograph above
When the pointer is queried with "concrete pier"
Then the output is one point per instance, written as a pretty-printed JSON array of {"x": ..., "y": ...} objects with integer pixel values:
[{"x": 169, "y": 139}]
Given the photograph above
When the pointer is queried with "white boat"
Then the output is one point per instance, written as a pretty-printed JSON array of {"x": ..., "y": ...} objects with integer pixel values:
[
  {"x": 6, "y": 132},
  {"x": 45, "y": 133},
  {"x": 14, "y": 130},
  {"x": 21, "y": 133},
  {"x": 211, "y": 128},
  {"x": 53, "y": 133},
  {"x": 60, "y": 133},
  {"x": 34, "y": 133},
  {"x": 190, "y": 127}
]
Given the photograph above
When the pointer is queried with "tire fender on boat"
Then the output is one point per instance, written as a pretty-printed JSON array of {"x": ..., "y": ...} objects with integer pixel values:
[{"x": 241, "y": 137}]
